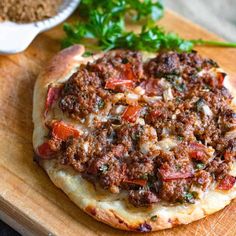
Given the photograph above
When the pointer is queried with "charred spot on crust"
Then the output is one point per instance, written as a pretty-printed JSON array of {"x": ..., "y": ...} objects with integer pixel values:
[
  {"x": 174, "y": 222},
  {"x": 36, "y": 158},
  {"x": 120, "y": 220},
  {"x": 144, "y": 228},
  {"x": 91, "y": 210}
]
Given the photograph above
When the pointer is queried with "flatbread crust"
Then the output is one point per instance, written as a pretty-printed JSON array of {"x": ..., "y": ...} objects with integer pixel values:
[{"x": 112, "y": 209}]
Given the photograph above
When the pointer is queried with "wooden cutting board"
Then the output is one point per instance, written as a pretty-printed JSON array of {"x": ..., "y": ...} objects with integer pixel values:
[{"x": 29, "y": 202}]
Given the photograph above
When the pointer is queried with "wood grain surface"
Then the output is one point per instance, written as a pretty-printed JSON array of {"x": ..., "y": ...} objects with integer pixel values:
[
  {"x": 29, "y": 202},
  {"x": 218, "y": 16}
]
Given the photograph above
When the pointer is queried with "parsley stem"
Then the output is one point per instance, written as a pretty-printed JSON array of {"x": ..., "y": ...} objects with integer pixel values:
[{"x": 213, "y": 43}]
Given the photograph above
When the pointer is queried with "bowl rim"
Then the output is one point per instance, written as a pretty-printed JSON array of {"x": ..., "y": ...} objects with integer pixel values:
[{"x": 53, "y": 21}]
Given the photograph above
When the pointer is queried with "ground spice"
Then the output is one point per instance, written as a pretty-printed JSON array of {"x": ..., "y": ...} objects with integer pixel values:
[{"x": 25, "y": 11}]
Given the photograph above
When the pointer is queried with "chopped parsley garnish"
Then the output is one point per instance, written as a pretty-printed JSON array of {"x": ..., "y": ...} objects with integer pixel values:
[
  {"x": 180, "y": 138},
  {"x": 190, "y": 197},
  {"x": 101, "y": 104},
  {"x": 200, "y": 166},
  {"x": 199, "y": 104},
  {"x": 180, "y": 87},
  {"x": 195, "y": 194},
  {"x": 178, "y": 167},
  {"x": 154, "y": 218},
  {"x": 103, "y": 168},
  {"x": 144, "y": 176},
  {"x": 105, "y": 22},
  {"x": 135, "y": 136},
  {"x": 87, "y": 54}
]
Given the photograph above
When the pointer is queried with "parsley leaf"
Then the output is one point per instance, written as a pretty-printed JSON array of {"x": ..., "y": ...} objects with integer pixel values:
[
  {"x": 147, "y": 9},
  {"x": 189, "y": 197},
  {"x": 101, "y": 104},
  {"x": 87, "y": 54},
  {"x": 200, "y": 166},
  {"x": 154, "y": 218},
  {"x": 103, "y": 168},
  {"x": 103, "y": 25}
]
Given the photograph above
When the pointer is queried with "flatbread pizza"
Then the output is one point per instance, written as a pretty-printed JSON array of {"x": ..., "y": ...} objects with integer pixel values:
[{"x": 141, "y": 142}]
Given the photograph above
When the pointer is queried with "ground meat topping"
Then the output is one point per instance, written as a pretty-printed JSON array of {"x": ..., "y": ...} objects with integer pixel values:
[
  {"x": 91, "y": 94},
  {"x": 161, "y": 130}
]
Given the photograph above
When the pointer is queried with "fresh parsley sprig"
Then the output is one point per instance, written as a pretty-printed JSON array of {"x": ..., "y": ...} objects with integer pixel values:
[
  {"x": 213, "y": 43},
  {"x": 103, "y": 27},
  {"x": 111, "y": 34},
  {"x": 153, "y": 39},
  {"x": 146, "y": 9}
]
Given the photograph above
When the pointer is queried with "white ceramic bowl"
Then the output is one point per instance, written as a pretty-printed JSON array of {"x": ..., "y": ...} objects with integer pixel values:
[{"x": 15, "y": 37}]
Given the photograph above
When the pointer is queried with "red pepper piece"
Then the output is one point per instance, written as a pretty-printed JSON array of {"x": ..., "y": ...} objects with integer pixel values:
[
  {"x": 226, "y": 183},
  {"x": 44, "y": 151},
  {"x": 131, "y": 113},
  {"x": 63, "y": 131},
  {"x": 52, "y": 95},
  {"x": 168, "y": 176},
  {"x": 116, "y": 84},
  {"x": 197, "y": 151},
  {"x": 140, "y": 182}
]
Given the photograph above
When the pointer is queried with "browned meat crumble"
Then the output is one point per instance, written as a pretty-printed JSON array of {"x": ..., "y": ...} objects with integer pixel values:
[{"x": 169, "y": 133}]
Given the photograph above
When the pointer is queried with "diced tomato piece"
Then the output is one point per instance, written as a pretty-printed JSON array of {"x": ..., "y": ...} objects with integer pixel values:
[
  {"x": 198, "y": 155},
  {"x": 129, "y": 73},
  {"x": 141, "y": 182},
  {"x": 118, "y": 150},
  {"x": 116, "y": 84},
  {"x": 125, "y": 79},
  {"x": 228, "y": 156},
  {"x": 44, "y": 151},
  {"x": 221, "y": 77},
  {"x": 131, "y": 113},
  {"x": 197, "y": 151},
  {"x": 155, "y": 113},
  {"x": 168, "y": 176},
  {"x": 218, "y": 81},
  {"x": 226, "y": 183},
  {"x": 152, "y": 87},
  {"x": 197, "y": 146},
  {"x": 168, "y": 173},
  {"x": 63, "y": 131},
  {"x": 52, "y": 95}
]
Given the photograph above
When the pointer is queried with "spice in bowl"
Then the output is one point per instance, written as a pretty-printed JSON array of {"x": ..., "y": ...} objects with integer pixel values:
[{"x": 26, "y": 11}]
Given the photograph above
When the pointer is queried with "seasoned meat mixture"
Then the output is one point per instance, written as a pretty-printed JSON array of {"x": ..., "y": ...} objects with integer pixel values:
[{"x": 160, "y": 129}]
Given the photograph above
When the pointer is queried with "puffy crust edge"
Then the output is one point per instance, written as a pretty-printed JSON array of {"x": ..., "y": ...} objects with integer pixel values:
[{"x": 60, "y": 68}]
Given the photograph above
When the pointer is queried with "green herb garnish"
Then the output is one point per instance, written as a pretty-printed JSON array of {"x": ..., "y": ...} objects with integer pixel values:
[
  {"x": 135, "y": 136},
  {"x": 103, "y": 168},
  {"x": 199, "y": 104},
  {"x": 178, "y": 167},
  {"x": 101, "y": 104},
  {"x": 189, "y": 197},
  {"x": 87, "y": 54},
  {"x": 138, "y": 10},
  {"x": 144, "y": 176},
  {"x": 200, "y": 166},
  {"x": 154, "y": 218},
  {"x": 195, "y": 194},
  {"x": 103, "y": 26},
  {"x": 180, "y": 138},
  {"x": 180, "y": 87}
]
